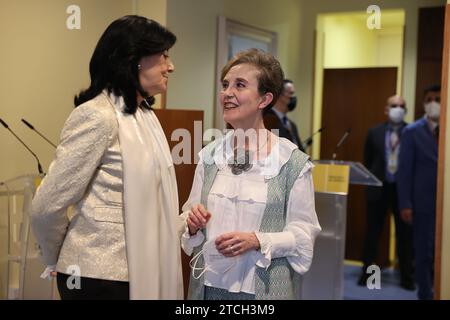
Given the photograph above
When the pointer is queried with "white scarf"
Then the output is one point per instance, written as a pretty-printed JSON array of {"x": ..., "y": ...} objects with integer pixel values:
[{"x": 150, "y": 205}]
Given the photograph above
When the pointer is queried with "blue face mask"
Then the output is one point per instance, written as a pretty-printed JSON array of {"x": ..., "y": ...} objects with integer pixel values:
[{"x": 292, "y": 103}]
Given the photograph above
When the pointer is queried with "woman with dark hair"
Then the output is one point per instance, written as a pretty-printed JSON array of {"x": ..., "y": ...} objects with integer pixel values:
[
  {"x": 114, "y": 166},
  {"x": 250, "y": 221}
]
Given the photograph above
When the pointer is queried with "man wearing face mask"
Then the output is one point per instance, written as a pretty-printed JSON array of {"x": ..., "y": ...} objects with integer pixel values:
[
  {"x": 381, "y": 152},
  {"x": 275, "y": 118},
  {"x": 417, "y": 180}
]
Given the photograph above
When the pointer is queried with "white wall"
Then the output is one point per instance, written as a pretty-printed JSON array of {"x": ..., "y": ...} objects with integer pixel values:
[
  {"x": 344, "y": 41},
  {"x": 195, "y": 23},
  {"x": 310, "y": 11},
  {"x": 348, "y": 42},
  {"x": 284, "y": 17},
  {"x": 42, "y": 66},
  {"x": 281, "y": 16},
  {"x": 192, "y": 85}
]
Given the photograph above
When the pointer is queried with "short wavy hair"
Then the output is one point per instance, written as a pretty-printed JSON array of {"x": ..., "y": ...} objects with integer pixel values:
[
  {"x": 114, "y": 63},
  {"x": 271, "y": 74}
]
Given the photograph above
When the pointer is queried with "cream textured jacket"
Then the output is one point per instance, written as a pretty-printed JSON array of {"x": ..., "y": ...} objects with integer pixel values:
[{"x": 86, "y": 174}]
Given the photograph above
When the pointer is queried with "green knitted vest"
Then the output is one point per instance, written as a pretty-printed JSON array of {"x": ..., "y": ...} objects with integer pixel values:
[{"x": 279, "y": 281}]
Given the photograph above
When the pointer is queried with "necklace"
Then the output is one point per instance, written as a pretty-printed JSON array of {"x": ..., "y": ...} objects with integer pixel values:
[{"x": 243, "y": 159}]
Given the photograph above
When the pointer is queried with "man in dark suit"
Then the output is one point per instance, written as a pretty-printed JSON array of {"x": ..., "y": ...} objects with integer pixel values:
[
  {"x": 417, "y": 180},
  {"x": 275, "y": 118},
  {"x": 381, "y": 152}
]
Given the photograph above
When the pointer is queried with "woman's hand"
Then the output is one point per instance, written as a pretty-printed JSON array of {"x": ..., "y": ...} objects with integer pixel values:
[
  {"x": 197, "y": 219},
  {"x": 235, "y": 243},
  {"x": 49, "y": 272}
]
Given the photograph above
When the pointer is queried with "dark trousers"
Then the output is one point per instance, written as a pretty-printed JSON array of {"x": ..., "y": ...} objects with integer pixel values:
[
  {"x": 424, "y": 233},
  {"x": 376, "y": 217},
  {"x": 92, "y": 289}
]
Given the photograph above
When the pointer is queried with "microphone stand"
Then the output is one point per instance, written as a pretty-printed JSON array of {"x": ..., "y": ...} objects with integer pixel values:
[
  {"x": 23, "y": 143},
  {"x": 32, "y": 128},
  {"x": 340, "y": 143},
  {"x": 309, "y": 141}
]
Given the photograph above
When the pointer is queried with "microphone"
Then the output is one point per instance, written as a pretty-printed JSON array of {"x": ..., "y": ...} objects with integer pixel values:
[
  {"x": 309, "y": 141},
  {"x": 347, "y": 132},
  {"x": 32, "y": 128},
  {"x": 35, "y": 156}
]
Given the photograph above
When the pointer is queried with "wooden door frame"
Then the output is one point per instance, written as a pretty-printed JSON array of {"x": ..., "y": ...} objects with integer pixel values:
[{"x": 441, "y": 159}]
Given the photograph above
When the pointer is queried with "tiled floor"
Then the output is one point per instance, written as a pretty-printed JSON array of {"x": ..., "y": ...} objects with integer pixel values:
[{"x": 390, "y": 289}]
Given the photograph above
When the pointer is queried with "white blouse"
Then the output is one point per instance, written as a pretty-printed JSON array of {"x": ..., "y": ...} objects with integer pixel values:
[{"x": 237, "y": 203}]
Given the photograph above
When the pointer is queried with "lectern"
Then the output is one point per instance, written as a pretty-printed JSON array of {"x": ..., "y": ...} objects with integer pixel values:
[
  {"x": 325, "y": 279},
  {"x": 20, "y": 265}
]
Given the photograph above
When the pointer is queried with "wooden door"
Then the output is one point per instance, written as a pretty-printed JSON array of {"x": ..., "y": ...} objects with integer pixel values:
[
  {"x": 355, "y": 99},
  {"x": 171, "y": 120},
  {"x": 430, "y": 43}
]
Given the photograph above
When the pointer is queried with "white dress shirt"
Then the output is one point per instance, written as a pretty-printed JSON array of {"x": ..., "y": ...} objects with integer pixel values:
[{"x": 238, "y": 202}]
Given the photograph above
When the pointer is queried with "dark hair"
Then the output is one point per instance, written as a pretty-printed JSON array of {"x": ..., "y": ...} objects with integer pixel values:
[
  {"x": 433, "y": 88},
  {"x": 114, "y": 63},
  {"x": 271, "y": 74}
]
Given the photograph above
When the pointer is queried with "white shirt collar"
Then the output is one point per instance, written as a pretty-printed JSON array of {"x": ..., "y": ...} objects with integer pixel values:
[{"x": 269, "y": 167}]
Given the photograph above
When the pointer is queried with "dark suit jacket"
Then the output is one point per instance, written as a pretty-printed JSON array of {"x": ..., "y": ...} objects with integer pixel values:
[
  {"x": 271, "y": 121},
  {"x": 375, "y": 156},
  {"x": 417, "y": 175}
]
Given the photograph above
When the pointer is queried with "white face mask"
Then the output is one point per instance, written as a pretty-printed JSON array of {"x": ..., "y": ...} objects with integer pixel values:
[
  {"x": 433, "y": 110},
  {"x": 397, "y": 114},
  {"x": 214, "y": 260}
]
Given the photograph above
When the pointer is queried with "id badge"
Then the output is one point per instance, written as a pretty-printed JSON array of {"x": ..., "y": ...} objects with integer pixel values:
[{"x": 393, "y": 161}]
